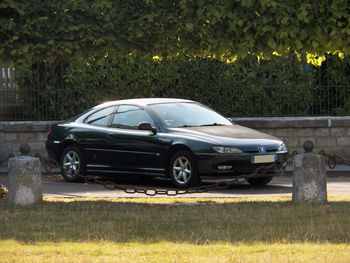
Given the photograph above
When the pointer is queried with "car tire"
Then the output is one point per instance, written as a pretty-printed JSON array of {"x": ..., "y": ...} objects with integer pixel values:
[
  {"x": 183, "y": 170},
  {"x": 260, "y": 181},
  {"x": 72, "y": 164}
]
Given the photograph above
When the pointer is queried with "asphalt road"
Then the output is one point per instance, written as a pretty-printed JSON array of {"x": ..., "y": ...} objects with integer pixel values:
[{"x": 58, "y": 187}]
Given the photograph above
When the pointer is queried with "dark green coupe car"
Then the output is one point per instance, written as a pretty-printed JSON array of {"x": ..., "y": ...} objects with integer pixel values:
[{"x": 175, "y": 138}]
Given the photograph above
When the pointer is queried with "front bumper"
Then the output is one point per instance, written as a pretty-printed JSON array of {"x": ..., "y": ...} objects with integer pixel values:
[{"x": 237, "y": 164}]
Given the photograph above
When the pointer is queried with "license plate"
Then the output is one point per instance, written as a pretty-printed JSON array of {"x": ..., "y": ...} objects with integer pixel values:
[{"x": 264, "y": 158}]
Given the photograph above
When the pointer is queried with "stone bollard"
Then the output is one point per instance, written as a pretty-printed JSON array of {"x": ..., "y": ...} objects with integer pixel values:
[
  {"x": 24, "y": 180},
  {"x": 309, "y": 177}
]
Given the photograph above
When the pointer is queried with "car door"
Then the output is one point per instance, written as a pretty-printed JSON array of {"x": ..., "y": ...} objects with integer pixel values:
[
  {"x": 94, "y": 140},
  {"x": 135, "y": 150}
]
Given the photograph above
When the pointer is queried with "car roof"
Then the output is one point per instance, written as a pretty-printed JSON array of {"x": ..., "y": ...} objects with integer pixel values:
[{"x": 142, "y": 102}]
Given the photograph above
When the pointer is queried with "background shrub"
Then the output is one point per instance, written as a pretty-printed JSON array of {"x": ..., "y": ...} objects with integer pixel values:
[{"x": 279, "y": 86}]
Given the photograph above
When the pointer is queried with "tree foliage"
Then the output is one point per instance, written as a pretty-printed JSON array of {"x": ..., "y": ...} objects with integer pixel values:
[{"x": 67, "y": 29}]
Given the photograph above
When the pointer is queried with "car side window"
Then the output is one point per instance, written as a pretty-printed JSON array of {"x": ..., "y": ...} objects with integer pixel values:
[
  {"x": 101, "y": 117},
  {"x": 129, "y": 117}
]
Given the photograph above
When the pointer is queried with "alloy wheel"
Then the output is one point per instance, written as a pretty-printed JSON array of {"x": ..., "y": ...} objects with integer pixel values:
[
  {"x": 71, "y": 163},
  {"x": 182, "y": 170}
]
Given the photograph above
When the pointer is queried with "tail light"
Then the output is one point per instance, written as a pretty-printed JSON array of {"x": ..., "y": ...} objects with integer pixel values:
[{"x": 49, "y": 132}]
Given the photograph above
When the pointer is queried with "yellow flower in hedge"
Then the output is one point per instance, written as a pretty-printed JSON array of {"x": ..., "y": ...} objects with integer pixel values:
[
  {"x": 3, "y": 192},
  {"x": 315, "y": 60}
]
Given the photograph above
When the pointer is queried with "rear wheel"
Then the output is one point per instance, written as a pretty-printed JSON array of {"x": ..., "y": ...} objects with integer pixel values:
[
  {"x": 183, "y": 169},
  {"x": 258, "y": 181},
  {"x": 72, "y": 164}
]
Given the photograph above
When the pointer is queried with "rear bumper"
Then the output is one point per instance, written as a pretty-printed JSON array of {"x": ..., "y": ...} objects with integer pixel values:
[{"x": 54, "y": 149}]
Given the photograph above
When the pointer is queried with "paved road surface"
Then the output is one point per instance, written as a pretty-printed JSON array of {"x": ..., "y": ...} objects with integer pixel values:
[{"x": 58, "y": 187}]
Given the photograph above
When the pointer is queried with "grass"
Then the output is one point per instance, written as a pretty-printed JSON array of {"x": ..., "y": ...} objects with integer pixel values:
[
  {"x": 128, "y": 231},
  {"x": 164, "y": 252}
]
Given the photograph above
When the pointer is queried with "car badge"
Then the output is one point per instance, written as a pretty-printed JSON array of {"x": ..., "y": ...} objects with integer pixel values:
[{"x": 262, "y": 149}]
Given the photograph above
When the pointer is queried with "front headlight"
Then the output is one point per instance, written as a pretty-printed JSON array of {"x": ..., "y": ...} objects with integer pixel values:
[
  {"x": 221, "y": 149},
  {"x": 282, "y": 148}
]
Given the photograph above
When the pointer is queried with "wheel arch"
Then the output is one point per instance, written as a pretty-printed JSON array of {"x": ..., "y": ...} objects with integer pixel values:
[
  {"x": 64, "y": 145},
  {"x": 177, "y": 147},
  {"x": 173, "y": 149}
]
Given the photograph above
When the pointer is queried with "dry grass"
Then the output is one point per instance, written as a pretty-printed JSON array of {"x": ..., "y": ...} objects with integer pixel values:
[
  {"x": 170, "y": 252},
  {"x": 189, "y": 200},
  {"x": 104, "y": 231}
]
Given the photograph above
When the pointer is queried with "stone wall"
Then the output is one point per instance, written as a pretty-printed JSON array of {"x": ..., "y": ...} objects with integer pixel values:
[
  {"x": 331, "y": 134},
  {"x": 13, "y": 134}
]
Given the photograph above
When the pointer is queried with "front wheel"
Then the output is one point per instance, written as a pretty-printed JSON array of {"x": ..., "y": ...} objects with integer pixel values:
[
  {"x": 72, "y": 164},
  {"x": 260, "y": 181},
  {"x": 183, "y": 170}
]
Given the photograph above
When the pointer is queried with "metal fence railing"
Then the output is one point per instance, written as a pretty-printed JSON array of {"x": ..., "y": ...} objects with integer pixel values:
[
  {"x": 8, "y": 91},
  {"x": 34, "y": 104},
  {"x": 46, "y": 96},
  {"x": 42, "y": 95},
  {"x": 7, "y": 77},
  {"x": 284, "y": 101}
]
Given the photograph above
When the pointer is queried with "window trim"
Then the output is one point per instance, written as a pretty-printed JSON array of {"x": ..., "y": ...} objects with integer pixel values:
[{"x": 115, "y": 107}]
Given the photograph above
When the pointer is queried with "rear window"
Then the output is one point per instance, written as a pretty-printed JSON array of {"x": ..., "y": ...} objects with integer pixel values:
[{"x": 101, "y": 117}]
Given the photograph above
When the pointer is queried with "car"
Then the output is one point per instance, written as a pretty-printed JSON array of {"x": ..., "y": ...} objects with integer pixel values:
[{"x": 164, "y": 137}]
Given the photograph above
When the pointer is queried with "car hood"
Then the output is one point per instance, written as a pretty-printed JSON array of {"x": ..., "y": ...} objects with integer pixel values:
[{"x": 231, "y": 135}]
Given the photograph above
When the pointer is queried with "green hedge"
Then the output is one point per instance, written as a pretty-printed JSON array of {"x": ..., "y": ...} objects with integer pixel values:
[
  {"x": 248, "y": 87},
  {"x": 66, "y": 30}
]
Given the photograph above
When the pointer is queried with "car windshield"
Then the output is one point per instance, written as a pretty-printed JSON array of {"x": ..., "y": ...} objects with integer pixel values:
[{"x": 185, "y": 114}]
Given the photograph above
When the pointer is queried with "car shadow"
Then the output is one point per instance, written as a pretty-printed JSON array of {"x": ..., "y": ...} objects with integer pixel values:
[
  {"x": 278, "y": 186},
  {"x": 59, "y": 187}
]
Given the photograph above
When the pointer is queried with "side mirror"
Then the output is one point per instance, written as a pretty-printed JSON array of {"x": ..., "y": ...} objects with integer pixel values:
[{"x": 146, "y": 126}]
